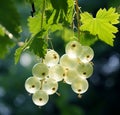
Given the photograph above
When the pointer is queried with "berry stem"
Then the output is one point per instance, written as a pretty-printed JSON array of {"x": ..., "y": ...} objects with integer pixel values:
[
  {"x": 79, "y": 96},
  {"x": 58, "y": 93},
  {"x": 51, "y": 44},
  {"x": 41, "y": 83}
]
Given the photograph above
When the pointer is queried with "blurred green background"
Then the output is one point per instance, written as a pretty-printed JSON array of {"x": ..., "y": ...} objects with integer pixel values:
[{"x": 103, "y": 95}]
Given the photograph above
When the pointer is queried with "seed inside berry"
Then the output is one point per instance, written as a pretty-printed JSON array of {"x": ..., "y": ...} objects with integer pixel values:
[
  {"x": 79, "y": 90},
  {"x": 88, "y": 56},
  {"x": 33, "y": 86},
  {"x": 73, "y": 45},
  {"x": 63, "y": 74},
  {"x": 40, "y": 99},
  {"x": 54, "y": 56},
  {"x": 84, "y": 73},
  {"x": 53, "y": 88},
  {"x": 43, "y": 74}
]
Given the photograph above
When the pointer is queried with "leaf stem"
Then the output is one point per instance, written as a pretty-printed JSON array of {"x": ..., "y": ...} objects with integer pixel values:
[{"x": 49, "y": 41}]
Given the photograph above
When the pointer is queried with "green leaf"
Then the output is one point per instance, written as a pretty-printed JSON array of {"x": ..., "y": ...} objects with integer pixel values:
[
  {"x": 69, "y": 15},
  {"x": 36, "y": 24},
  {"x": 55, "y": 27},
  {"x": 9, "y": 17},
  {"x": 63, "y": 11},
  {"x": 87, "y": 39},
  {"x": 19, "y": 50},
  {"x": 39, "y": 4},
  {"x": 102, "y": 25},
  {"x": 18, "y": 53},
  {"x": 60, "y": 4},
  {"x": 108, "y": 16},
  {"x": 36, "y": 44},
  {"x": 53, "y": 18},
  {"x": 39, "y": 46},
  {"x": 48, "y": 14}
]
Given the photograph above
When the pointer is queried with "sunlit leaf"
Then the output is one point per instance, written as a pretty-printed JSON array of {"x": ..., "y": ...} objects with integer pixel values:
[
  {"x": 55, "y": 27},
  {"x": 102, "y": 25},
  {"x": 108, "y": 16},
  {"x": 69, "y": 14},
  {"x": 18, "y": 52},
  {"x": 36, "y": 24}
]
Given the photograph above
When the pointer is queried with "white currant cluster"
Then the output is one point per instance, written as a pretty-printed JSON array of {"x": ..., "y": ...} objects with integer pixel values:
[{"x": 73, "y": 68}]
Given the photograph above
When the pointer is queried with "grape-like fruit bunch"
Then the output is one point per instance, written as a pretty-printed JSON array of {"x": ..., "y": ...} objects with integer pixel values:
[{"x": 74, "y": 67}]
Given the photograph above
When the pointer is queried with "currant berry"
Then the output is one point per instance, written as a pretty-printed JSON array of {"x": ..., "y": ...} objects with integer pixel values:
[
  {"x": 57, "y": 72},
  {"x": 51, "y": 58},
  {"x": 32, "y": 84},
  {"x": 40, "y": 70},
  {"x": 86, "y": 54},
  {"x": 85, "y": 70},
  {"x": 40, "y": 98},
  {"x": 80, "y": 86},
  {"x": 73, "y": 49},
  {"x": 50, "y": 86}
]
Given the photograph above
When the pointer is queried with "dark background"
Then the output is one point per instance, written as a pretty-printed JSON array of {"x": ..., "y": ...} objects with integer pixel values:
[{"x": 103, "y": 95}]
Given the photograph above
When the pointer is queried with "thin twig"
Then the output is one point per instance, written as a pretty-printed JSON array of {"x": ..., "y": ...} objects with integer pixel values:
[
  {"x": 51, "y": 43},
  {"x": 78, "y": 18},
  {"x": 43, "y": 10}
]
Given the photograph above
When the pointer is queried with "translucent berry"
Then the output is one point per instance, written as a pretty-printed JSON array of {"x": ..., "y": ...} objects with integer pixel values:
[
  {"x": 73, "y": 49},
  {"x": 32, "y": 84},
  {"x": 86, "y": 54},
  {"x": 57, "y": 72},
  {"x": 85, "y": 70},
  {"x": 40, "y": 98},
  {"x": 40, "y": 70},
  {"x": 71, "y": 75},
  {"x": 51, "y": 58},
  {"x": 68, "y": 62},
  {"x": 50, "y": 86},
  {"x": 80, "y": 86}
]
